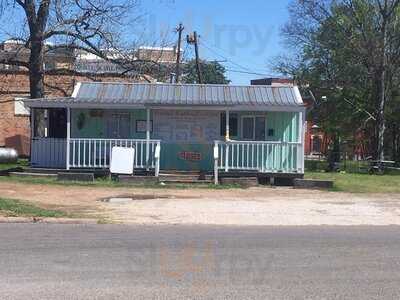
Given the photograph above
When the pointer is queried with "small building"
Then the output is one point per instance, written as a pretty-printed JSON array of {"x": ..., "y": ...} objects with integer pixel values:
[{"x": 184, "y": 127}]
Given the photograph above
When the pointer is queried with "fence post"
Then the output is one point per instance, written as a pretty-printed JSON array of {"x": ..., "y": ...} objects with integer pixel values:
[
  {"x": 157, "y": 157},
  {"x": 216, "y": 157},
  {"x": 67, "y": 153},
  {"x": 147, "y": 137},
  {"x": 226, "y": 156}
]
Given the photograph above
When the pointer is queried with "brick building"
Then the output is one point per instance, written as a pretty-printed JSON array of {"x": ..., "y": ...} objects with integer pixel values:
[
  {"x": 59, "y": 64},
  {"x": 14, "y": 118}
]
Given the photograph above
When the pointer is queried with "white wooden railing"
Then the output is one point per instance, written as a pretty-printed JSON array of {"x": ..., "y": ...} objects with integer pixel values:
[
  {"x": 96, "y": 153},
  {"x": 265, "y": 157}
]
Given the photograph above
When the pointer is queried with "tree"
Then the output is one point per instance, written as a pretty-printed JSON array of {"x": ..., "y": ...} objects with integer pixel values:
[
  {"x": 348, "y": 50},
  {"x": 94, "y": 26},
  {"x": 213, "y": 72}
]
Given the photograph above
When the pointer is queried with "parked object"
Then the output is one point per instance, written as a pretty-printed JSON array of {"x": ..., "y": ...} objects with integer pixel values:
[
  {"x": 8, "y": 155},
  {"x": 173, "y": 127}
]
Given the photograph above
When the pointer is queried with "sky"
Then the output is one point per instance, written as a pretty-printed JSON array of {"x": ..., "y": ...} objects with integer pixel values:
[{"x": 243, "y": 35}]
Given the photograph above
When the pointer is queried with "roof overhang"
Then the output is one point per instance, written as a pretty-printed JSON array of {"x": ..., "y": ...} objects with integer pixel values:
[{"x": 55, "y": 103}]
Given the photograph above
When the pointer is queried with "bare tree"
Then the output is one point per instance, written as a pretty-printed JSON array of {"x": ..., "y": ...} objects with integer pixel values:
[{"x": 93, "y": 26}]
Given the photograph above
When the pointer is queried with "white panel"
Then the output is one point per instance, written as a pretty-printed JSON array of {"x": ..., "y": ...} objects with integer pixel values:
[
  {"x": 19, "y": 107},
  {"x": 122, "y": 160}
]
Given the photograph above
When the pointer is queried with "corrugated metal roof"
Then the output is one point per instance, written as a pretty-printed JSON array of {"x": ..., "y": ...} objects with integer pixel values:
[
  {"x": 183, "y": 94},
  {"x": 186, "y": 94}
]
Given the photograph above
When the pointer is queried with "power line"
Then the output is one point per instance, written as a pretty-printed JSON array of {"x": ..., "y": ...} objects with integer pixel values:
[
  {"x": 219, "y": 54},
  {"x": 224, "y": 57},
  {"x": 252, "y": 73}
]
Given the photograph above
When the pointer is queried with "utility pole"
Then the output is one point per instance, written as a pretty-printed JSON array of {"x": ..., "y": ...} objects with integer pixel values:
[
  {"x": 178, "y": 54},
  {"x": 193, "y": 39}
]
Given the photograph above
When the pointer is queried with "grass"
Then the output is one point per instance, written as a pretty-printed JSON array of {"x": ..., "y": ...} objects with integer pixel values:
[
  {"x": 21, "y": 163},
  {"x": 17, "y": 208},
  {"x": 360, "y": 183},
  {"x": 105, "y": 182}
]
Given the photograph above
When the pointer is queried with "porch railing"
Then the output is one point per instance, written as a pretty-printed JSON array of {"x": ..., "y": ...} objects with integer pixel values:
[
  {"x": 265, "y": 157},
  {"x": 96, "y": 153}
]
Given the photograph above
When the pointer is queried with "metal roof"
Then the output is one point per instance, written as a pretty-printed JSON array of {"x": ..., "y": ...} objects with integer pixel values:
[{"x": 182, "y": 94}]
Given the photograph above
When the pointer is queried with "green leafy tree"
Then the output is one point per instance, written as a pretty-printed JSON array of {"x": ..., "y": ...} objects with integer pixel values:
[
  {"x": 212, "y": 72},
  {"x": 348, "y": 51}
]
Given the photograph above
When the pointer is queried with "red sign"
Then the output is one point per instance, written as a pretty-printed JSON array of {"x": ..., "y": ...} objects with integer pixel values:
[{"x": 191, "y": 156}]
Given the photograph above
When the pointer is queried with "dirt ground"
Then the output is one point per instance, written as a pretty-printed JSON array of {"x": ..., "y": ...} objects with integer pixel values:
[{"x": 255, "y": 206}]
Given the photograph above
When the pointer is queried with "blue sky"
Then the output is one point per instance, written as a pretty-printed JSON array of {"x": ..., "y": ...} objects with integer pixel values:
[{"x": 245, "y": 35}]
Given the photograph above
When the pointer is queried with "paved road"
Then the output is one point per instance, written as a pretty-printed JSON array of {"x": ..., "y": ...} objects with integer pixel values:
[{"x": 125, "y": 262}]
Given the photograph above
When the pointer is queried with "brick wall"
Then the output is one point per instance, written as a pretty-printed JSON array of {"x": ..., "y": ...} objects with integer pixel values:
[{"x": 15, "y": 130}]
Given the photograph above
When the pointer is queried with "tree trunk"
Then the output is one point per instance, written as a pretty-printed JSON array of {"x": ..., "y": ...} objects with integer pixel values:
[
  {"x": 381, "y": 126},
  {"x": 36, "y": 70}
]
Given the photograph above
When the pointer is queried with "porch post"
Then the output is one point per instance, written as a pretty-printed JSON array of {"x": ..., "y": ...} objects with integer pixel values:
[
  {"x": 301, "y": 139},
  {"x": 227, "y": 138},
  {"x": 47, "y": 117},
  {"x": 147, "y": 137},
  {"x": 67, "y": 153}
]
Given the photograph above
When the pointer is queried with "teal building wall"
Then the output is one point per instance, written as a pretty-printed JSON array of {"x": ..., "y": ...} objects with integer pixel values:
[{"x": 279, "y": 126}]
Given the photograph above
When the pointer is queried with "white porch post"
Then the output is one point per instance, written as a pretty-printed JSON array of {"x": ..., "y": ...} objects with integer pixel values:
[
  {"x": 148, "y": 129},
  {"x": 227, "y": 138},
  {"x": 46, "y": 122},
  {"x": 301, "y": 139},
  {"x": 67, "y": 154}
]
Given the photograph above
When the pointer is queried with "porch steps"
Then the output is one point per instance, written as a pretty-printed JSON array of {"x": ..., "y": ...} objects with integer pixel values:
[{"x": 185, "y": 177}]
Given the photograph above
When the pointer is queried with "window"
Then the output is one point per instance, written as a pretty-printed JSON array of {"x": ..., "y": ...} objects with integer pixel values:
[
  {"x": 253, "y": 128},
  {"x": 118, "y": 126},
  {"x": 233, "y": 124}
]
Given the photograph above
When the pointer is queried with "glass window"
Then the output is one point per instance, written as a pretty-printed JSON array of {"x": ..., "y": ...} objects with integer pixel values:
[
  {"x": 260, "y": 129},
  {"x": 248, "y": 128},
  {"x": 118, "y": 126},
  {"x": 233, "y": 124}
]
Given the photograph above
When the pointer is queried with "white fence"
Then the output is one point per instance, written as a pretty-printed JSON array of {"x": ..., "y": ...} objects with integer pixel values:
[
  {"x": 48, "y": 152},
  {"x": 96, "y": 153},
  {"x": 265, "y": 157}
]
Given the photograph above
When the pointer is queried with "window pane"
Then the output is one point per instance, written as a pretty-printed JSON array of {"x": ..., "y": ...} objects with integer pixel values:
[
  {"x": 260, "y": 129},
  {"x": 233, "y": 124},
  {"x": 248, "y": 128}
]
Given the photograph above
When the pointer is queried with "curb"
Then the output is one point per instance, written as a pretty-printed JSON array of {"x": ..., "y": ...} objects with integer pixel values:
[{"x": 8, "y": 220}]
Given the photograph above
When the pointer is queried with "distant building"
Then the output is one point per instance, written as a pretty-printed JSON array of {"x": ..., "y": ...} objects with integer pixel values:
[
  {"x": 83, "y": 61},
  {"x": 64, "y": 67},
  {"x": 273, "y": 81}
]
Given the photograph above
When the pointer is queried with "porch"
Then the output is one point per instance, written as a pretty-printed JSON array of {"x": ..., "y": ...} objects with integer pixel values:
[{"x": 209, "y": 136}]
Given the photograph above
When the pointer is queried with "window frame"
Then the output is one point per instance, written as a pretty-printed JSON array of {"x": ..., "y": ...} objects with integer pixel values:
[
  {"x": 111, "y": 116},
  {"x": 232, "y": 115},
  {"x": 254, "y": 117}
]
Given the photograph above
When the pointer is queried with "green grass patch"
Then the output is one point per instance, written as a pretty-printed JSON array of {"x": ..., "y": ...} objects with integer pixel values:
[
  {"x": 17, "y": 208},
  {"x": 21, "y": 163},
  {"x": 359, "y": 183},
  {"x": 106, "y": 182}
]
